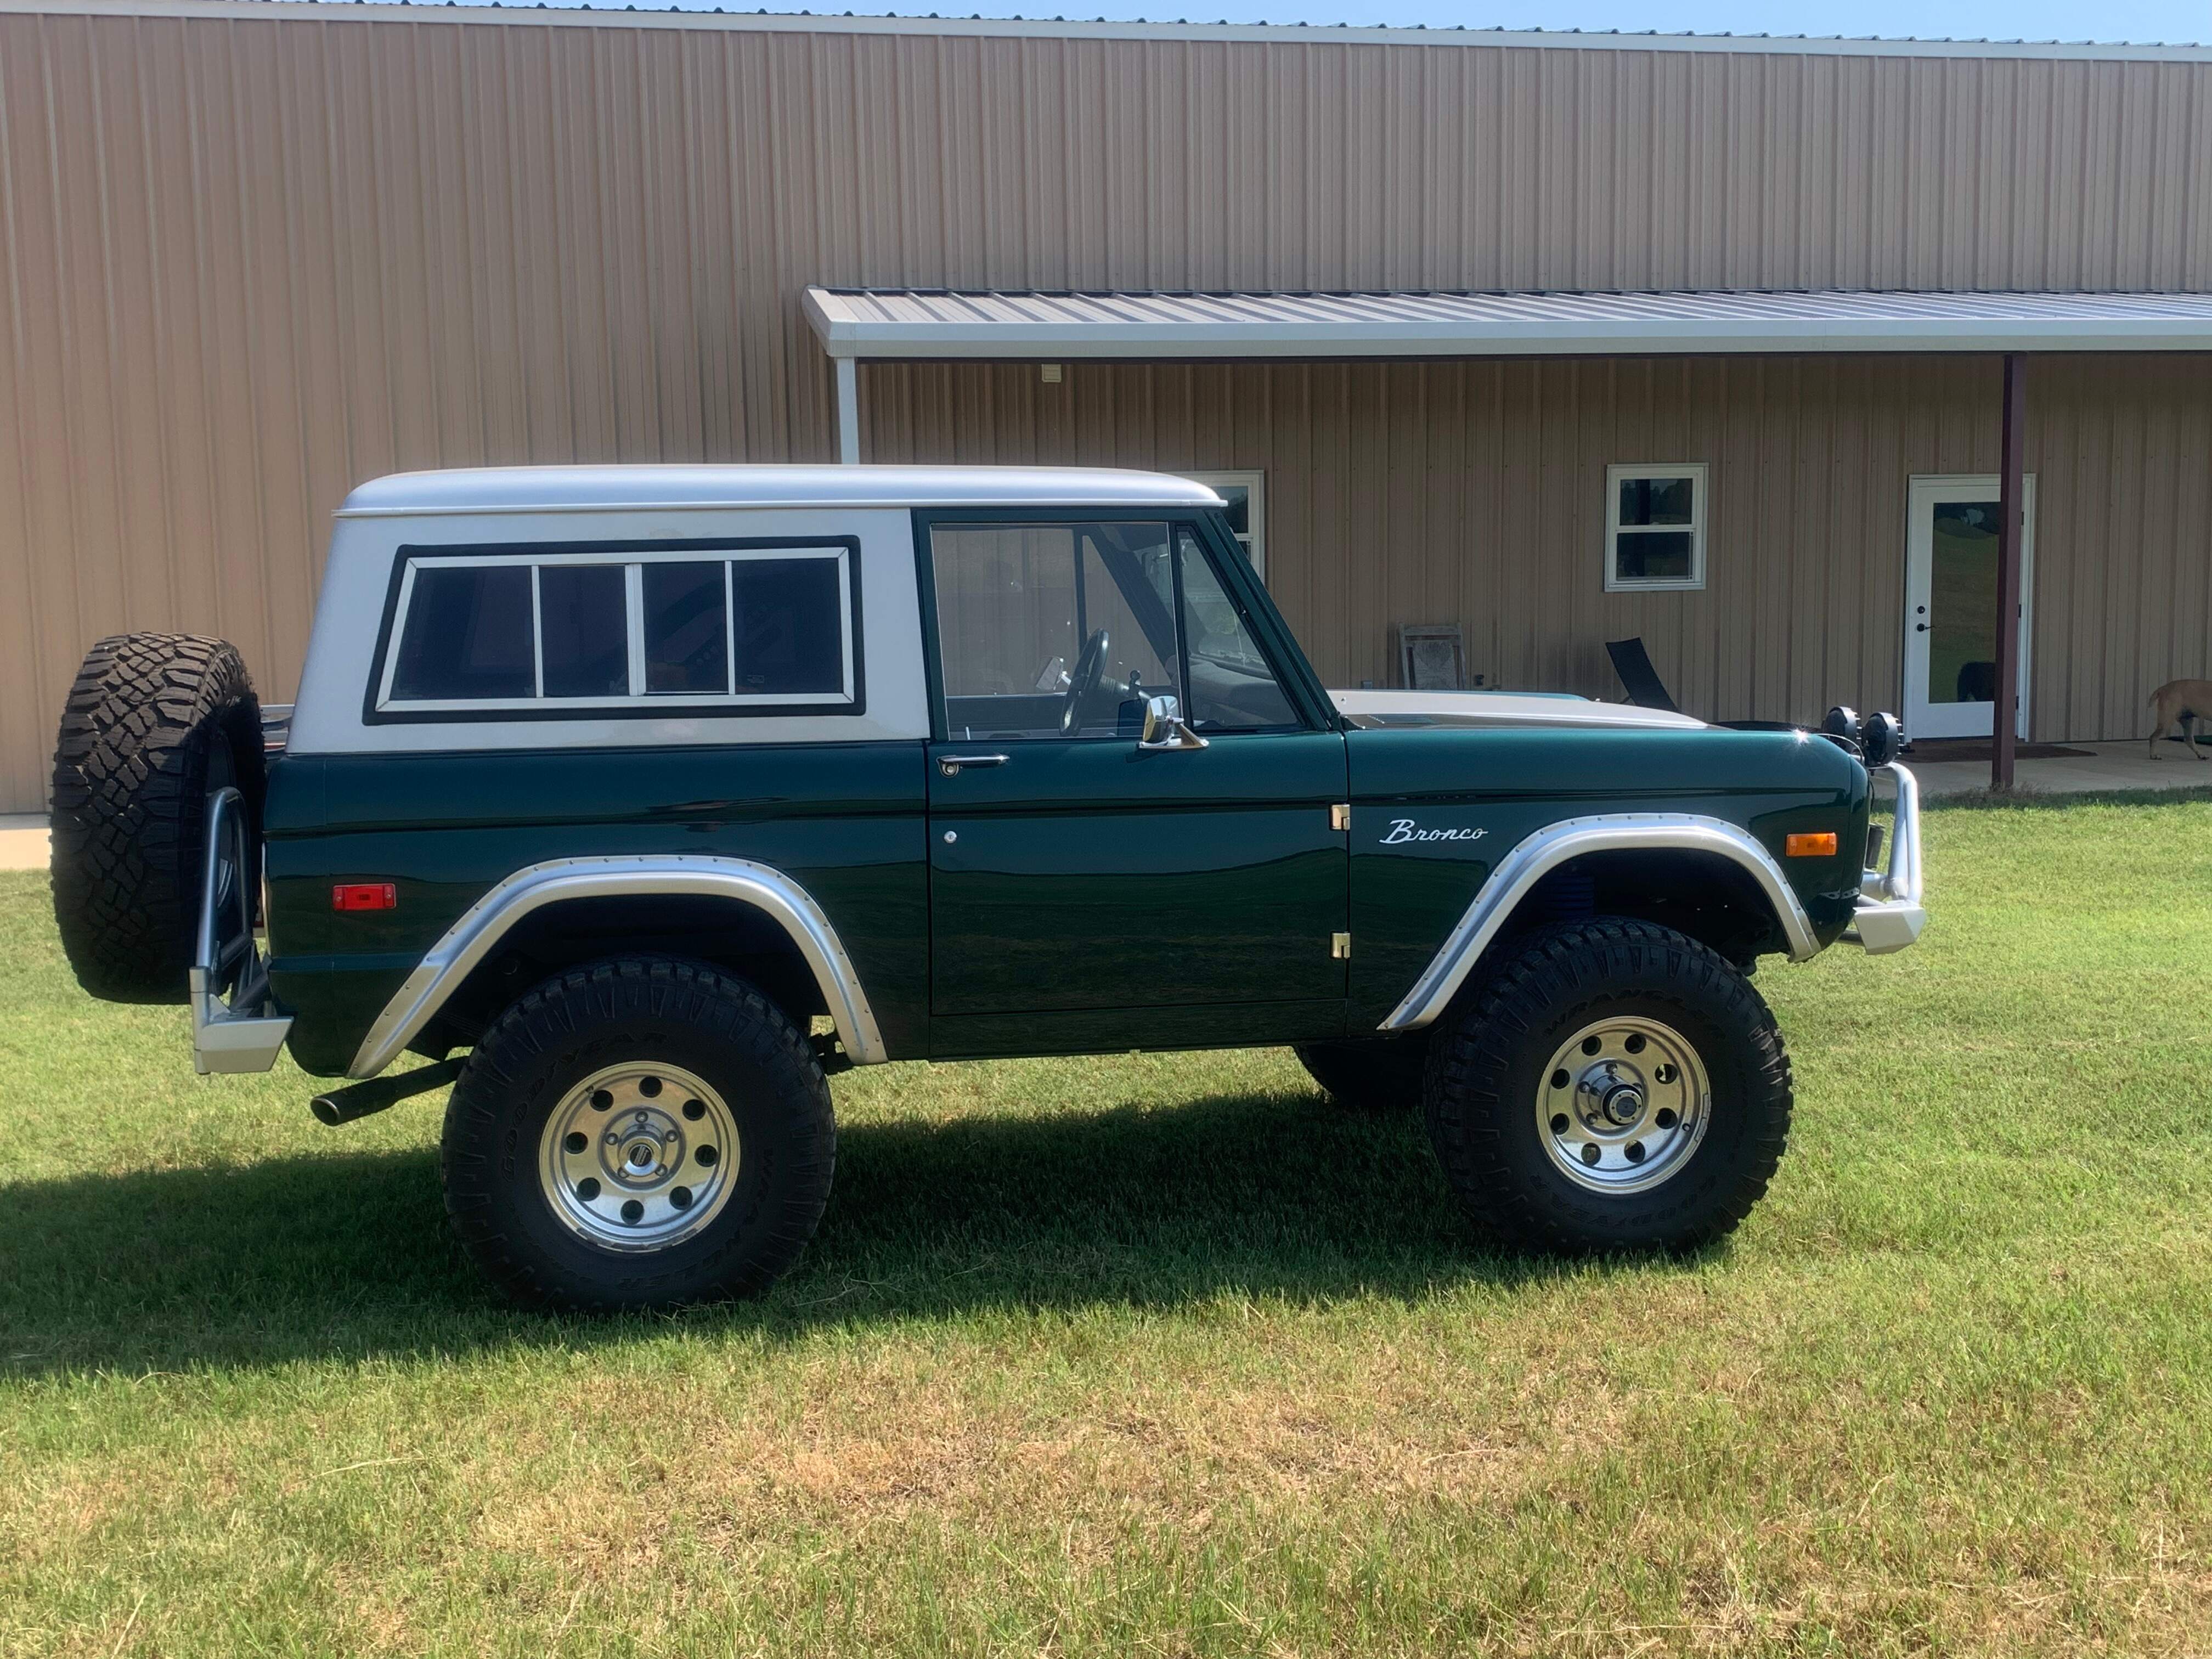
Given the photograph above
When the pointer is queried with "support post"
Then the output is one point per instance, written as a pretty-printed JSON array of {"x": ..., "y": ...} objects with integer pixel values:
[
  {"x": 2012, "y": 519},
  {"x": 848, "y": 412}
]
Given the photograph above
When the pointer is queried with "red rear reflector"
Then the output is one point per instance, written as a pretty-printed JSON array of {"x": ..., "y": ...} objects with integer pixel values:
[
  {"x": 385, "y": 896},
  {"x": 1822, "y": 846}
]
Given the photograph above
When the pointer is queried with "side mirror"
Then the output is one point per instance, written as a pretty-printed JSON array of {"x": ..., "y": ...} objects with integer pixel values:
[{"x": 1164, "y": 727}]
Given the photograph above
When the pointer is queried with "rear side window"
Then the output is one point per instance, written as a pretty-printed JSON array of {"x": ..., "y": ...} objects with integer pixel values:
[
  {"x": 583, "y": 629},
  {"x": 635, "y": 629},
  {"x": 469, "y": 638}
]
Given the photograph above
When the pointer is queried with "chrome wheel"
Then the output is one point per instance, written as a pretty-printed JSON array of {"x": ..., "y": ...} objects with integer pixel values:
[
  {"x": 1623, "y": 1104},
  {"x": 639, "y": 1157}
]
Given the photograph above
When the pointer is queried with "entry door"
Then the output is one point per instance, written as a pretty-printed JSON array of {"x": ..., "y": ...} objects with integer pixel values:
[
  {"x": 1950, "y": 606},
  {"x": 1086, "y": 892}
]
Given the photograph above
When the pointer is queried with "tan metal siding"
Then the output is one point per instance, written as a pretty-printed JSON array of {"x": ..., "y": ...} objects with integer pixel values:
[
  {"x": 1474, "y": 493},
  {"x": 250, "y": 261}
]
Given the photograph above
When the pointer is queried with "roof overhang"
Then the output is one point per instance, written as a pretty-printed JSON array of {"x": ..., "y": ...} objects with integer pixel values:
[{"x": 929, "y": 324}]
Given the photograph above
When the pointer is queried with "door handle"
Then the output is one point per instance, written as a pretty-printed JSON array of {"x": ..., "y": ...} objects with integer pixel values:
[{"x": 950, "y": 765}]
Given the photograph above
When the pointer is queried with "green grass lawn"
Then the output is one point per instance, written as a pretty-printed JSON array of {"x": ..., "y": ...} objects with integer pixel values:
[{"x": 1166, "y": 1354}]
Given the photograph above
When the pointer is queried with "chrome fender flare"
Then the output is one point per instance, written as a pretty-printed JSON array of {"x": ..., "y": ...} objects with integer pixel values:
[
  {"x": 478, "y": 931},
  {"x": 1534, "y": 859}
]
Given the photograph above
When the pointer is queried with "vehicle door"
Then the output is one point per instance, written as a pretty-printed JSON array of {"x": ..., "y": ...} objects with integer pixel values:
[{"x": 1089, "y": 889}]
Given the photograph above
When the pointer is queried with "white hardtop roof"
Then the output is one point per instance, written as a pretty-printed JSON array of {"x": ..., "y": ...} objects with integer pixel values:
[
  {"x": 619, "y": 489},
  {"x": 941, "y": 324}
]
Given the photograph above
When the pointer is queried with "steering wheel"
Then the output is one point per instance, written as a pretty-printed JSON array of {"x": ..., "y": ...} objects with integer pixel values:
[{"x": 1090, "y": 669}]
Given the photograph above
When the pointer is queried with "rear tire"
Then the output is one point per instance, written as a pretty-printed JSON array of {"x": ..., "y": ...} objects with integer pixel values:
[
  {"x": 1370, "y": 1074},
  {"x": 154, "y": 725},
  {"x": 642, "y": 1133},
  {"x": 1615, "y": 1086}
]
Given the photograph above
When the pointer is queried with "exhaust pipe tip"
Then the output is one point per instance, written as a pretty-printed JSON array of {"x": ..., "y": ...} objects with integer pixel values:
[{"x": 336, "y": 1106}]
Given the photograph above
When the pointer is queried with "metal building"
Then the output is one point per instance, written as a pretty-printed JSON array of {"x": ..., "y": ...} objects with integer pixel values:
[{"x": 1545, "y": 339}]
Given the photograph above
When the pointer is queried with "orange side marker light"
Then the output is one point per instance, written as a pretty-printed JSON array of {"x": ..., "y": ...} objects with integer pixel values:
[{"x": 1822, "y": 845}]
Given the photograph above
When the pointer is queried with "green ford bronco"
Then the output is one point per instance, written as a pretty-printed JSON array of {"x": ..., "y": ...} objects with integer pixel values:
[{"x": 642, "y": 800}]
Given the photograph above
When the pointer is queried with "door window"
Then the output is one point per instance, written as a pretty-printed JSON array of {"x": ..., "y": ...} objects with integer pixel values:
[
  {"x": 1232, "y": 687},
  {"x": 1962, "y": 602},
  {"x": 1051, "y": 630},
  {"x": 1950, "y": 605}
]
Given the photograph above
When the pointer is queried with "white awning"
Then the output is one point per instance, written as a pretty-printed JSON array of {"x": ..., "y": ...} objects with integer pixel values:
[{"x": 929, "y": 324}]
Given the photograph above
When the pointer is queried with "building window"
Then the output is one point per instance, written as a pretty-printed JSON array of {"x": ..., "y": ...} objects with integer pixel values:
[
  {"x": 711, "y": 628},
  {"x": 1247, "y": 495},
  {"x": 1655, "y": 528}
]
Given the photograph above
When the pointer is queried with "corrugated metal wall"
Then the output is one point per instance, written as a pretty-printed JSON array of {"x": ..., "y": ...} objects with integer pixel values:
[
  {"x": 249, "y": 261},
  {"x": 1474, "y": 493}
]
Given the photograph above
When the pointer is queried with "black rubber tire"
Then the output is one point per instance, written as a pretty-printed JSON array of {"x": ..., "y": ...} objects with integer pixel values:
[
  {"x": 690, "y": 1015},
  {"x": 1370, "y": 1074},
  {"x": 1486, "y": 1066},
  {"x": 154, "y": 725}
]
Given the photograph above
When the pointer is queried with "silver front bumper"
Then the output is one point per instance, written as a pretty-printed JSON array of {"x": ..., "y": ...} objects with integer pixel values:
[
  {"x": 1888, "y": 915},
  {"x": 246, "y": 1033}
]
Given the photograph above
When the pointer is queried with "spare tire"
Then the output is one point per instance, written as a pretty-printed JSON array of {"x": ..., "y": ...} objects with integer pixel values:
[{"x": 156, "y": 723}]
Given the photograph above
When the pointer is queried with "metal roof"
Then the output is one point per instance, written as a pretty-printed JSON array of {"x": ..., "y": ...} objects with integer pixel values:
[
  {"x": 698, "y": 16},
  {"x": 652, "y": 489},
  {"x": 936, "y": 324}
]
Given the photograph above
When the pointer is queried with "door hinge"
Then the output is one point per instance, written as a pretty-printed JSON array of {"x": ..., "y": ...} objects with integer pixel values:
[
  {"x": 1340, "y": 947},
  {"x": 1340, "y": 817}
]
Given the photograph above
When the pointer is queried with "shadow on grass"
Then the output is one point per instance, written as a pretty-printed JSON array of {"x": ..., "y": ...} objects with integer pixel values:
[{"x": 347, "y": 1255}]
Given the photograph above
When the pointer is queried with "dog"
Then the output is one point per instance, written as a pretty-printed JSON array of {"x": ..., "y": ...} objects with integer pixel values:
[{"x": 2181, "y": 703}]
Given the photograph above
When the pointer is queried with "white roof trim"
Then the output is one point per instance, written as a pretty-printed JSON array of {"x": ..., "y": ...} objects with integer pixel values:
[
  {"x": 524, "y": 14},
  {"x": 657, "y": 489},
  {"x": 930, "y": 325}
]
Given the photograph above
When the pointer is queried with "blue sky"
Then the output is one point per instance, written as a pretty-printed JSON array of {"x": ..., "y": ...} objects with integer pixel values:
[{"x": 1999, "y": 20}]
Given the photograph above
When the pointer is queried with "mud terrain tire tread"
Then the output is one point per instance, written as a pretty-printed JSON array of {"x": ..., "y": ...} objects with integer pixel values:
[
  {"x": 139, "y": 737},
  {"x": 1482, "y": 1070},
  {"x": 717, "y": 1025}
]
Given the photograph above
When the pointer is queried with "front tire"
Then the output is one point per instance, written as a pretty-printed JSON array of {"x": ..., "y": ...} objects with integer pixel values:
[
  {"x": 642, "y": 1133},
  {"x": 1615, "y": 1086}
]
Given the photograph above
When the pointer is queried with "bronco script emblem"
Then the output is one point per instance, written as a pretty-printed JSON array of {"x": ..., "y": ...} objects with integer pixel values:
[{"x": 1403, "y": 830}]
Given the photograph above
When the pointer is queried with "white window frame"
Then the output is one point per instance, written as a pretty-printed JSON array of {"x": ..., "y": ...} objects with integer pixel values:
[
  {"x": 1624, "y": 473},
  {"x": 1254, "y": 485},
  {"x": 632, "y": 562}
]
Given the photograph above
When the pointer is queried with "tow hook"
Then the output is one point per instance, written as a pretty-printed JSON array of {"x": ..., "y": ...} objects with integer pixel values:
[{"x": 338, "y": 1106}]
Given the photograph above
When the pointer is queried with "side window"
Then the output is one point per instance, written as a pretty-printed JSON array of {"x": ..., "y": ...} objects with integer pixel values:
[
  {"x": 583, "y": 630},
  {"x": 687, "y": 628},
  {"x": 631, "y": 629},
  {"x": 1246, "y": 496},
  {"x": 1233, "y": 688},
  {"x": 1049, "y": 630},
  {"x": 469, "y": 636}
]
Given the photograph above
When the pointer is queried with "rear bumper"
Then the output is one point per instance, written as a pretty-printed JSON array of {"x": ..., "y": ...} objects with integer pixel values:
[
  {"x": 246, "y": 1033},
  {"x": 1889, "y": 916}
]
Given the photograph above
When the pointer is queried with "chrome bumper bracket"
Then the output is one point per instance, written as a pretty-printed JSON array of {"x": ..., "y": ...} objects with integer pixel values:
[
  {"x": 246, "y": 1033},
  {"x": 1889, "y": 916}
]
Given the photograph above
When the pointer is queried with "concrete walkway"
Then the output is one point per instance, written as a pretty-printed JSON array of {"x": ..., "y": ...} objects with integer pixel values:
[
  {"x": 22, "y": 840},
  {"x": 2105, "y": 766}
]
